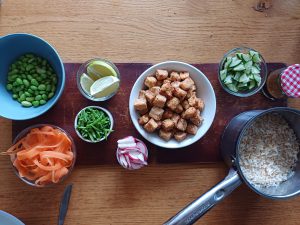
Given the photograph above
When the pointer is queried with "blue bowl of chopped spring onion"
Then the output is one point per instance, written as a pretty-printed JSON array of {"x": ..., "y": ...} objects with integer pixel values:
[
  {"x": 93, "y": 124},
  {"x": 242, "y": 72}
]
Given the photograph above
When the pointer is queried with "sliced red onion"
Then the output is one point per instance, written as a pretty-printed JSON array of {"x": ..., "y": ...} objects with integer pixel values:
[{"x": 132, "y": 153}]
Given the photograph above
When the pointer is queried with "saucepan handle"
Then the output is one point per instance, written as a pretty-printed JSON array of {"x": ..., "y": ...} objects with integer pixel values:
[{"x": 195, "y": 210}]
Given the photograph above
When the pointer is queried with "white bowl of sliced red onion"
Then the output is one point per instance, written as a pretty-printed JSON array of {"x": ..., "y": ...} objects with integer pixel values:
[{"x": 132, "y": 153}]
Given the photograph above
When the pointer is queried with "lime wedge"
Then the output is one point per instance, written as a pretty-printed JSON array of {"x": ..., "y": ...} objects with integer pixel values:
[
  {"x": 99, "y": 69},
  {"x": 104, "y": 86},
  {"x": 86, "y": 82}
]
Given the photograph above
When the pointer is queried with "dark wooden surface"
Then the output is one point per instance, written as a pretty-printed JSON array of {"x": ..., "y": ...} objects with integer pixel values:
[{"x": 205, "y": 150}]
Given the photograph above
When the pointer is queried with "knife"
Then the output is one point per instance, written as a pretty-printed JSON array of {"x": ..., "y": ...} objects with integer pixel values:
[{"x": 64, "y": 203}]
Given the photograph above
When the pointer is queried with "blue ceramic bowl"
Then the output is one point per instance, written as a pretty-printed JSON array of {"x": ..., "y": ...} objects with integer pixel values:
[{"x": 13, "y": 46}]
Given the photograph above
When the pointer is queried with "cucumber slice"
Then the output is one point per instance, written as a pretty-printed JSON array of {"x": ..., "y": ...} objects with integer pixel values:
[
  {"x": 232, "y": 87},
  {"x": 240, "y": 85},
  {"x": 228, "y": 80},
  {"x": 237, "y": 76},
  {"x": 254, "y": 70},
  {"x": 251, "y": 84},
  {"x": 228, "y": 61},
  {"x": 239, "y": 55},
  {"x": 256, "y": 58},
  {"x": 252, "y": 53},
  {"x": 246, "y": 57},
  {"x": 239, "y": 67},
  {"x": 244, "y": 78},
  {"x": 257, "y": 78},
  {"x": 223, "y": 74},
  {"x": 235, "y": 61}
]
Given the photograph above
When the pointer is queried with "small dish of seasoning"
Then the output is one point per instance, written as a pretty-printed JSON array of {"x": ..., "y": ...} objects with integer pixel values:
[
  {"x": 93, "y": 124},
  {"x": 283, "y": 83},
  {"x": 242, "y": 72}
]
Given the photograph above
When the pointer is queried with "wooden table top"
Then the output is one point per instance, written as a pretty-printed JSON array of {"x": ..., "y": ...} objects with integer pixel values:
[{"x": 194, "y": 31}]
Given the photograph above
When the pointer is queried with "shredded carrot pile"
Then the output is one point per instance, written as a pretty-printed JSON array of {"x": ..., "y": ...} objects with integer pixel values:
[{"x": 44, "y": 155}]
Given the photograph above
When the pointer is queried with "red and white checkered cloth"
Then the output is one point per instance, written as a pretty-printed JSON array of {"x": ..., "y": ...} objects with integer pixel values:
[{"x": 290, "y": 81}]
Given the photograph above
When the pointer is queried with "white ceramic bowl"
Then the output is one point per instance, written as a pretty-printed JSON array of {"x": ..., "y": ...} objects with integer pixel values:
[{"x": 204, "y": 91}]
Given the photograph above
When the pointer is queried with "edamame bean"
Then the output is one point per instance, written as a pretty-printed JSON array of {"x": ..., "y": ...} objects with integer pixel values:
[
  {"x": 34, "y": 82},
  {"x": 42, "y": 102},
  {"x": 19, "y": 81},
  {"x": 34, "y": 88},
  {"x": 42, "y": 87},
  {"x": 26, "y": 104},
  {"x": 35, "y": 103},
  {"x": 15, "y": 96},
  {"x": 26, "y": 83},
  {"x": 38, "y": 97},
  {"x": 30, "y": 99},
  {"x": 50, "y": 95},
  {"x": 27, "y": 94},
  {"x": 23, "y": 97},
  {"x": 48, "y": 88},
  {"x": 9, "y": 87},
  {"x": 44, "y": 96}
]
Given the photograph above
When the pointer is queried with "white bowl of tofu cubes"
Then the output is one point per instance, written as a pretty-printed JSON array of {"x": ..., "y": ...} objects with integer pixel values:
[{"x": 172, "y": 104}]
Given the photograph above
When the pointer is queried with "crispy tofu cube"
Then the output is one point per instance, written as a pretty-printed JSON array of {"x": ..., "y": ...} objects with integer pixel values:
[
  {"x": 166, "y": 87},
  {"x": 186, "y": 84},
  {"x": 168, "y": 124},
  {"x": 179, "y": 93},
  {"x": 174, "y": 76},
  {"x": 179, "y": 109},
  {"x": 155, "y": 90},
  {"x": 184, "y": 75},
  {"x": 181, "y": 125},
  {"x": 161, "y": 74},
  {"x": 166, "y": 90},
  {"x": 156, "y": 113},
  {"x": 150, "y": 81},
  {"x": 191, "y": 129},
  {"x": 180, "y": 136},
  {"x": 159, "y": 101},
  {"x": 149, "y": 96},
  {"x": 167, "y": 114},
  {"x": 166, "y": 135},
  {"x": 144, "y": 119},
  {"x": 185, "y": 104},
  {"x": 173, "y": 103},
  {"x": 197, "y": 119},
  {"x": 175, "y": 84},
  {"x": 189, "y": 113},
  {"x": 142, "y": 94},
  {"x": 151, "y": 126},
  {"x": 140, "y": 104},
  {"x": 190, "y": 94},
  {"x": 175, "y": 118},
  {"x": 199, "y": 104}
]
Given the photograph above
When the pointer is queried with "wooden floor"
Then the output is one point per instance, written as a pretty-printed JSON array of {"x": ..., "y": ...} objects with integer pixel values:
[{"x": 194, "y": 31}]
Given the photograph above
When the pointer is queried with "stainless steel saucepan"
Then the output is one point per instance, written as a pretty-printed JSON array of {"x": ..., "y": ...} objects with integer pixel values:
[{"x": 230, "y": 152}]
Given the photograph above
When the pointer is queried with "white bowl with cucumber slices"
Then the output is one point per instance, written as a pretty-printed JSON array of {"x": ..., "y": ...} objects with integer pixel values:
[
  {"x": 242, "y": 72},
  {"x": 98, "y": 79}
]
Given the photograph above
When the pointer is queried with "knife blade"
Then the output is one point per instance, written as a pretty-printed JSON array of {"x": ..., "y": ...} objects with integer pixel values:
[{"x": 64, "y": 203}]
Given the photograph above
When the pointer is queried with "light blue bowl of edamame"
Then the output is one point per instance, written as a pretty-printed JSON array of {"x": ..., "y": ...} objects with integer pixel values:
[{"x": 13, "y": 46}]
